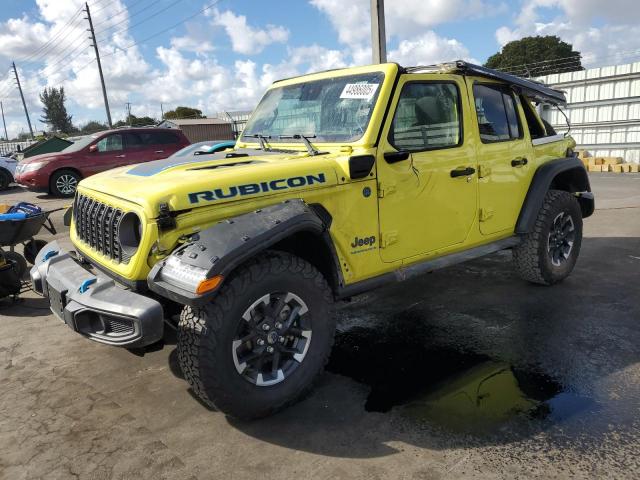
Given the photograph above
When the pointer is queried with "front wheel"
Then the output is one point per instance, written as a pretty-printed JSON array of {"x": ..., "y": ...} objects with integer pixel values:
[
  {"x": 261, "y": 343},
  {"x": 64, "y": 183},
  {"x": 548, "y": 254}
]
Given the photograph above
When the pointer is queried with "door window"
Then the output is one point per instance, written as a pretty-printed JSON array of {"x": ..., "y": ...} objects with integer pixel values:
[
  {"x": 497, "y": 114},
  {"x": 427, "y": 117},
  {"x": 134, "y": 140},
  {"x": 110, "y": 143}
]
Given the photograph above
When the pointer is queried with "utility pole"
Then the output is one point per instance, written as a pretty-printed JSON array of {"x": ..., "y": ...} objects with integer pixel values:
[
  {"x": 378, "y": 35},
  {"x": 6, "y": 135},
  {"x": 128, "y": 107},
  {"x": 161, "y": 112},
  {"x": 24, "y": 104},
  {"x": 95, "y": 46}
]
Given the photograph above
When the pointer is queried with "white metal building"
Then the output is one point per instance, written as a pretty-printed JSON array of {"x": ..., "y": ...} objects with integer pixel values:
[{"x": 604, "y": 109}]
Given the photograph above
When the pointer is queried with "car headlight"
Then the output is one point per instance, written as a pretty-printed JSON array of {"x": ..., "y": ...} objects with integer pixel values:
[
  {"x": 188, "y": 277},
  {"x": 30, "y": 167}
]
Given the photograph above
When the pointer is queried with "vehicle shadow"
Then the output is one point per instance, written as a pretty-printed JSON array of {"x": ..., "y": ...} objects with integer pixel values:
[{"x": 473, "y": 356}]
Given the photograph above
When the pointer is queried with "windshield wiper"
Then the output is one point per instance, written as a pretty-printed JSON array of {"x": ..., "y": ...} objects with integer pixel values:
[
  {"x": 305, "y": 139},
  {"x": 262, "y": 139}
]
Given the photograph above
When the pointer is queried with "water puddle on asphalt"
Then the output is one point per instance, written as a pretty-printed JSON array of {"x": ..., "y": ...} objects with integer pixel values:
[{"x": 455, "y": 389}]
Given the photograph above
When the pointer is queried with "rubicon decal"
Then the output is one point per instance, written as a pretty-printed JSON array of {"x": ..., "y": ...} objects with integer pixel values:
[{"x": 254, "y": 188}]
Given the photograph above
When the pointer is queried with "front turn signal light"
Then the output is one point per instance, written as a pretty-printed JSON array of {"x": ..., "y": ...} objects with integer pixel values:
[{"x": 209, "y": 284}]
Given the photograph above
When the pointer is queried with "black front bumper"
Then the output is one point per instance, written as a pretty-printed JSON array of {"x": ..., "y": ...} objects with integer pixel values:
[{"x": 94, "y": 305}]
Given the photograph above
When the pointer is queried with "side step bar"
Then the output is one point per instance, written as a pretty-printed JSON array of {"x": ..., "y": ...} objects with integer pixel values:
[{"x": 405, "y": 273}]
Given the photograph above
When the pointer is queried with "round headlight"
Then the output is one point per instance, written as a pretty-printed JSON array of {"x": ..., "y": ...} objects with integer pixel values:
[{"x": 130, "y": 233}]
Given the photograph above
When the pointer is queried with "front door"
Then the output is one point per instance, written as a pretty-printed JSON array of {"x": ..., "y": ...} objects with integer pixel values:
[
  {"x": 426, "y": 169},
  {"x": 109, "y": 154},
  {"x": 504, "y": 156}
]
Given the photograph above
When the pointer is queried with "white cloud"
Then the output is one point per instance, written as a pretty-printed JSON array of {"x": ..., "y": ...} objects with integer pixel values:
[
  {"x": 246, "y": 39},
  {"x": 603, "y": 34},
  {"x": 428, "y": 48},
  {"x": 404, "y": 18}
]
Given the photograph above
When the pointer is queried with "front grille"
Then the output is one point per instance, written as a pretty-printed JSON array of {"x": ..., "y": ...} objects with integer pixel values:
[{"x": 97, "y": 227}]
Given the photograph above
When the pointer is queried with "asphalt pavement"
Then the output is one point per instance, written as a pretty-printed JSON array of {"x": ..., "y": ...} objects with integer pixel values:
[{"x": 467, "y": 372}]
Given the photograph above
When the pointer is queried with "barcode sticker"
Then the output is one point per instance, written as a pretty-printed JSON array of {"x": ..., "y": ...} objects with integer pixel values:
[{"x": 362, "y": 91}]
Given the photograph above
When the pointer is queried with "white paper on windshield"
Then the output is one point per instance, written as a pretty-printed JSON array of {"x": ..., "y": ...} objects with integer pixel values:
[{"x": 362, "y": 91}]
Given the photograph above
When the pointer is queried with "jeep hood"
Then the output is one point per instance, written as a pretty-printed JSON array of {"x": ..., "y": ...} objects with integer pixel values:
[{"x": 186, "y": 183}]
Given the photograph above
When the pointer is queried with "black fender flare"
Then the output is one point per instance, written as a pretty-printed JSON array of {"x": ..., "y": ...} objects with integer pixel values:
[
  {"x": 566, "y": 174},
  {"x": 222, "y": 247}
]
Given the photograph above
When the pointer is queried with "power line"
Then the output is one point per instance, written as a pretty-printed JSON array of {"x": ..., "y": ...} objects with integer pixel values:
[
  {"x": 186, "y": 19},
  {"x": 51, "y": 40},
  {"x": 125, "y": 10},
  {"x": 146, "y": 19}
]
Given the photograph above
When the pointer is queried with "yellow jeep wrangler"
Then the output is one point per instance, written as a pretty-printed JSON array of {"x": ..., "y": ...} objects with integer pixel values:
[{"x": 342, "y": 181}]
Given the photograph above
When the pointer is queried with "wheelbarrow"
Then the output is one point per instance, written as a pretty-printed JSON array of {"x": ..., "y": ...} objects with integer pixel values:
[{"x": 21, "y": 231}]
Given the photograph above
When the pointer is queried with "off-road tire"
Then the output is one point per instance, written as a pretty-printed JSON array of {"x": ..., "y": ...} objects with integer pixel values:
[
  {"x": 54, "y": 187},
  {"x": 531, "y": 258},
  {"x": 5, "y": 179},
  {"x": 205, "y": 336}
]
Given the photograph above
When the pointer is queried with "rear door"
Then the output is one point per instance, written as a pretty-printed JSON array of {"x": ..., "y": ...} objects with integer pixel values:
[
  {"x": 504, "y": 155},
  {"x": 163, "y": 144},
  {"x": 426, "y": 168},
  {"x": 138, "y": 148}
]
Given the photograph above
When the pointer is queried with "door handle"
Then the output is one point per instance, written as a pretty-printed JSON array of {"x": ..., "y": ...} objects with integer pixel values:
[
  {"x": 519, "y": 162},
  {"x": 121, "y": 156},
  {"x": 159, "y": 151},
  {"x": 462, "y": 172}
]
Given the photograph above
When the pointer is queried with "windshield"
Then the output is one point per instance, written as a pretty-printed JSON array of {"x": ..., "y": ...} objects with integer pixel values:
[
  {"x": 334, "y": 109},
  {"x": 80, "y": 144}
]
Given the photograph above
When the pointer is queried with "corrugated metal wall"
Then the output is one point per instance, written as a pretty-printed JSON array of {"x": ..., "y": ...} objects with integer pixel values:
[
  {"x": 204, "y": 132},
  {"x": 603, "y": 107}
]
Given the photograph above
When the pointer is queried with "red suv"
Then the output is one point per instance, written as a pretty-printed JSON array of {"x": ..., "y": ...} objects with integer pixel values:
[{"x": 59, "y": 173}]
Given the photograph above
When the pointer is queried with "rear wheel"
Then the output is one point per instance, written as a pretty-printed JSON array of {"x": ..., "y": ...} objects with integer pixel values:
[
  {"x": 20, "y": 264},
  {"x": 548, "y": 254},
  {"x": 260, "y": 344},
  {"x": 64, "y": 183}
]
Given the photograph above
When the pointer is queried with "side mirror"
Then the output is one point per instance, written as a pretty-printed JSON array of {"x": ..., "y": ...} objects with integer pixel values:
[{"x": 93, "y": 148}]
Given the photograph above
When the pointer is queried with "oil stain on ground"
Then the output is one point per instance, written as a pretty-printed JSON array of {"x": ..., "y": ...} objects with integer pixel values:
[{"x": 449, "y": 387}]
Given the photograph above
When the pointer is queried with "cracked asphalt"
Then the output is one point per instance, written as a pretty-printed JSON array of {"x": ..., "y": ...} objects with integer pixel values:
[{"x": 464, "y": 373}]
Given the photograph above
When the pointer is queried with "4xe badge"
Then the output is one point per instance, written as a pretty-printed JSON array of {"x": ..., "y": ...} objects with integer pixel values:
[{"x": 363, "y": 244}]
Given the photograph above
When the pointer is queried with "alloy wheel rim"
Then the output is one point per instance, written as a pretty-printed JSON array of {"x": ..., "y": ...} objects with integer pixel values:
[
  {"x": 66, "y": 184},
  {"x": 272, "y": 339},
  {"x": 561, "y": 238}
]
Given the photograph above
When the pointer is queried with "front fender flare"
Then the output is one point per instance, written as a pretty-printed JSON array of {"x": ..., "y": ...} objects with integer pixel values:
[
  {"x": 224, "y": 246},
  {"x": 564, "y": 174}
]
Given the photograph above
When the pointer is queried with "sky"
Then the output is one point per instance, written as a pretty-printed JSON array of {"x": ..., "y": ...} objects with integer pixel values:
[{"x": 222, "y": 55}]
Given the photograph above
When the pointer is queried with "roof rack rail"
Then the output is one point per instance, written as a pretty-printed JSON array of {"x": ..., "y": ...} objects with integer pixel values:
[{"x": 530, "y": 88}]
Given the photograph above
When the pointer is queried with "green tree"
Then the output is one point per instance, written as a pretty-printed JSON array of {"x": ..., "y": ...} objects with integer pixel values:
[
  {"x": 184, "y": 112},
  {"x": 54, "y": 113},
  {"x": 134, "y": 121},
  {"x": 536, "y": 56},
  {"x": 92, "y": 127}
]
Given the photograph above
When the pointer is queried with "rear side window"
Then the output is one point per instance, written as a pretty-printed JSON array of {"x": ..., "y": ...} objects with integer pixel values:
[
  {"x": 161, "y": 138},
  {"x": 427, "y": 117},
  {"x": 497, "y": 114},
  {"x": 535, "y": 129},
  {"x": 134, "y": 140}
]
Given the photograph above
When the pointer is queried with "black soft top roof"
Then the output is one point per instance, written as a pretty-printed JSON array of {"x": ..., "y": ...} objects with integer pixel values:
[{"x": 535, "y": 90}]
